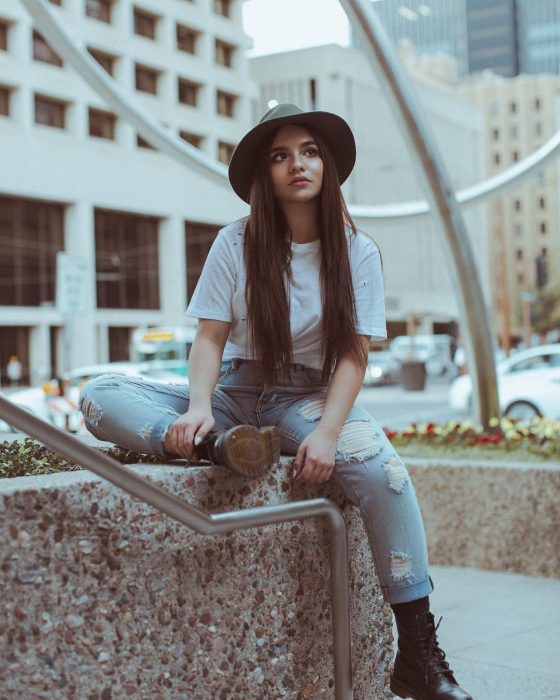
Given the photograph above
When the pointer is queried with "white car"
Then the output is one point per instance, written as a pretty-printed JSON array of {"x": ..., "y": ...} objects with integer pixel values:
[
  {"x": 47, "y": 403},
  {"x": 528, "y": 384}
]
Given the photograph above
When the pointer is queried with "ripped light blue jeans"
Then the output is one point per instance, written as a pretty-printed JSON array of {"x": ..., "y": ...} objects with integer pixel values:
[{"x": 136, "y": 414}]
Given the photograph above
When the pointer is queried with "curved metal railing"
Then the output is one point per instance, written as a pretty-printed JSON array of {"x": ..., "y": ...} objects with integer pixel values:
[{"x": 72, "y": 449}]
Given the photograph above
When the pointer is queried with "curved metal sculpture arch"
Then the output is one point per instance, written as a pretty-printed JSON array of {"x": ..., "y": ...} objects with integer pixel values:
[{"x": 441, "y": 200}]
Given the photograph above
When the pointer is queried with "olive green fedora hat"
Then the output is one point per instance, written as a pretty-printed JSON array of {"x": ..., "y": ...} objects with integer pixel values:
[{"x": 333, "y": 129}]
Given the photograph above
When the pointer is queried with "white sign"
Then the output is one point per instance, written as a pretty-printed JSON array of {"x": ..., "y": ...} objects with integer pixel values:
[{"x": 71, "y": 278}]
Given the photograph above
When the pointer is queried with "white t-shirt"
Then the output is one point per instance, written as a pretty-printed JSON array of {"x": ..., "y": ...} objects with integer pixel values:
[{"x": 220, "y": 293}]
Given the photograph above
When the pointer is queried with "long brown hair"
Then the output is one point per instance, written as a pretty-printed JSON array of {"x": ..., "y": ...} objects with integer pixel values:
[{"x": 267, "y": 253}]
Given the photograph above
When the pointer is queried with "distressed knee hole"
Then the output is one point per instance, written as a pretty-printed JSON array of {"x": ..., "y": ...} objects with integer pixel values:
[
  {"x": 401, "y": 566},
  {"x": 356, "y": 441},
  {"x": 145, "y": 431},
  {"x": 91, "y": 410},
  {"x": 397, "y": 474},
  {"x": 312, "y": 410}
]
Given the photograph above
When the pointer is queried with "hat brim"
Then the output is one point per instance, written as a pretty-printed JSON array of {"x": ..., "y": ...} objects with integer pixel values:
[{"x": 333, "y": 129}]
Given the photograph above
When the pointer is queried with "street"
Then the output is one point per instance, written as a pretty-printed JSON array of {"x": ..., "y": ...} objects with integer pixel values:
[{"x": 395, "y": 408}]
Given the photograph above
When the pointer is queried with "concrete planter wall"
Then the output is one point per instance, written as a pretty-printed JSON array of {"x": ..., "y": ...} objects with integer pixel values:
[
  {"x": 102, "y": 597},
  {"x": 503, "y": 517}
]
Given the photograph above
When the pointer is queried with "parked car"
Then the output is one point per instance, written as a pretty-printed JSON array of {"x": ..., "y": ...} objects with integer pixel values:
[
  {"x": 382, "y": 368},
  {"x": 57, "y": 401},
  {"x": 528, "y": 384}
]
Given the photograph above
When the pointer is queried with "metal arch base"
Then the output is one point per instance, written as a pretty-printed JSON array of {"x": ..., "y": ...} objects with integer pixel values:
[
  {"x": 443, "y": 204},
  {"x": 103, "y": 465}
]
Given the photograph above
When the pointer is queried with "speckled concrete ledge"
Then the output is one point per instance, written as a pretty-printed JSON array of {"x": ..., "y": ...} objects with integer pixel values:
[
  {"x": 104, "y": 598},
  {"x": 504, "y": 517}
]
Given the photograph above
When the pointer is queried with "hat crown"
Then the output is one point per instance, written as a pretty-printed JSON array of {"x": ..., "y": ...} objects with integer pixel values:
[{"x": 284, "y": 109}]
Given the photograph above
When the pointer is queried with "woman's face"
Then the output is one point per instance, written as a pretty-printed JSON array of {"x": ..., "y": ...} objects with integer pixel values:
[{"x": 296, "y": 166}]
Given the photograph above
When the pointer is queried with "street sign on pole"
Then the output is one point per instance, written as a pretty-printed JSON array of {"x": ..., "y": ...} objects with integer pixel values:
[{"x": 71, "y": 278}]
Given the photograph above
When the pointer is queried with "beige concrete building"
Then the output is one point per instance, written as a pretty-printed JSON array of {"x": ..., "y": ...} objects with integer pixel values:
[
  {"x": 76, "y": 178},
  {"x": 419, "y": 278},
  {"x": 519, "y": 114}
]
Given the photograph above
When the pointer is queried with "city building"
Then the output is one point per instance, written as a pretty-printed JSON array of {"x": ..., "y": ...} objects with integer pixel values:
[
  {"x": 520, "y": 114},
  {"x": 419, "y": 279},
  {"x": 508, "y": 37},
  {"x": 76, "y": 178}
]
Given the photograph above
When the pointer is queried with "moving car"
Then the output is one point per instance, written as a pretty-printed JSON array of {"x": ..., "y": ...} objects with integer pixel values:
[
  {"x": 528, "y": 384},
  {"x": 433, "y": 350}
]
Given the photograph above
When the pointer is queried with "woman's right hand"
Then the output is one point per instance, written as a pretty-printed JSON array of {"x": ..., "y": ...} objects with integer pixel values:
[{"x": 188, "y": 431}]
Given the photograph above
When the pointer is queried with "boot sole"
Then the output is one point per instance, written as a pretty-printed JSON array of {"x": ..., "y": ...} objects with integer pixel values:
[
  {"x": 403, "y": 691},
  {"x": 250, "y": 451}
]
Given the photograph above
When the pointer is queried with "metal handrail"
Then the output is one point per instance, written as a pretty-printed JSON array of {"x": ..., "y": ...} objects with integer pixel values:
[{"x": 72, "y": 449}]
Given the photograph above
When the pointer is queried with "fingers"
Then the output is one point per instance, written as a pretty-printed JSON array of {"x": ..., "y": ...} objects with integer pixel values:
[
  {"x": 203, "y": 429},
  {"x": 313, "y": 471}
]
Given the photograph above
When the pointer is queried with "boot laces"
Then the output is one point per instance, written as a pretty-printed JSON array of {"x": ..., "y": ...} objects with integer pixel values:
[{"x": 436, "y": 663}]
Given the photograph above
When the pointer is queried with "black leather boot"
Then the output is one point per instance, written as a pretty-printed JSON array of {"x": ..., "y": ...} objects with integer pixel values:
[
  {"x": 243, "y": 449},
  {"x": 421, "y": 671}
]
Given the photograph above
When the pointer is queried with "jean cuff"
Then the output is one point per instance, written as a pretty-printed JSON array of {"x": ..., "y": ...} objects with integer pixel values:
[
  {"x": 405, "y": 594},
  {"x": 159, "y": 432}
]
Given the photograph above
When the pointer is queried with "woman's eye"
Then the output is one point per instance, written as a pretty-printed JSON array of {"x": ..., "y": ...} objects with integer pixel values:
[
  {"x": 277, "y": 157},
  {"x": 311, "y": 152}
]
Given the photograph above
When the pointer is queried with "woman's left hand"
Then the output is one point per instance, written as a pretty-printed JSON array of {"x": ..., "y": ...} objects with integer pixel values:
[{"x": 314, "y": 462}]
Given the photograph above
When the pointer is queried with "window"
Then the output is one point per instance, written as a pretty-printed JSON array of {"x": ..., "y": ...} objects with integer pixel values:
[
  {"x": 102, "y": 124},
  {"x": 225, "y": 103},
  {"x": 515, "y": 156},
  {"x": 5, "y": 101},
  {"x": 222, "y": 7},
  {"x": 224, "y": 53},
  {"x": 517, "y": 204},
  {"x": 146, "y": 79},
  {"x": 145, "y": 23},
  {"x": 32, "y": 233},
  {"x": 194, "y": 139},
  {"x": 99, "y": 9},
  {"x": 142, "y": 143},
  {"x": 537, "y": 104},
  {"x": 43, "y": 52},
  {"x": 188, "y": 92},
  {"x": 513, "y": 107},
  {"x": 520, "y": 278},
  {"x": 542, "y": 203},
  {"x": 518, "y": 228},
  {"x": 495, "y": 134},
  {"x": 538, "y": 128},
  {"x": 105, "y": 60},
  {"x": 497, "y": 158},
  {"x": 225, "y": 151},
  {"x": 127, "y": 260},
  {"x": 514, "y": 131},
  {"x": 198, "y": 239},
  {"x": 50, "y": 112},
  {"x": 519, "y": 254},
  {"x": 3, "y": 36},
  {"x": 543, "y": 226},
  {"x": 186, "y": 38}
]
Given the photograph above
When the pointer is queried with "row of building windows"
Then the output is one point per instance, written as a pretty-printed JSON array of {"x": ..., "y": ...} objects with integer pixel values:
[
  {"x": 55, "y": 110},
  {"x": 518, "y": 229},
  {"x": 102, "y": 124},
  {"x": 126, "y": 255},
  {"x": 517, "y": 203},
  {"x": 186, "y": 40},
  {"x": 102, "y": 11},
  {"x": 514, "y": 131},
  {"x": 513, "y": 107}
]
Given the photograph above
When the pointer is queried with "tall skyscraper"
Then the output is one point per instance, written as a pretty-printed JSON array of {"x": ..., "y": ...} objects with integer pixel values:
[{"x": 508, "y": 37}]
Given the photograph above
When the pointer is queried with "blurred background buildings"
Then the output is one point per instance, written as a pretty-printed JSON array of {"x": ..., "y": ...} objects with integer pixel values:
[{"x": 76, "y": 178}]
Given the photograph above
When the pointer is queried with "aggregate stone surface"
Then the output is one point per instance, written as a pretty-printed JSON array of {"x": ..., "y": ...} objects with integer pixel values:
[{"x": 105, "y": 598}]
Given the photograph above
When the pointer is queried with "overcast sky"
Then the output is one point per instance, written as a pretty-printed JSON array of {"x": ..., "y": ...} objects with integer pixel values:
[{"x": 283, "y": 25}]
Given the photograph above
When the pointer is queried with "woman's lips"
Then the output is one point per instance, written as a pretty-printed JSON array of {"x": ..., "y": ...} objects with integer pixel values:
[{"x": 299, "y": 181}]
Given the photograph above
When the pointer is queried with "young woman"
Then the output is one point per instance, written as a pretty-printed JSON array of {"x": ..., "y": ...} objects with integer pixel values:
[{"x": 287, "y": 303}]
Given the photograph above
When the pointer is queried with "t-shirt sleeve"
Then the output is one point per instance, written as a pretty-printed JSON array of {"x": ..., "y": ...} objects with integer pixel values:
[
  {"x": 216, "y": 285},
  {"x": 368, "y": 290}
]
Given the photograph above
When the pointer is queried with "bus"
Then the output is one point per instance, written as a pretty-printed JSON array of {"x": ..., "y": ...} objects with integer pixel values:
[{"x": 165, "y": 345}]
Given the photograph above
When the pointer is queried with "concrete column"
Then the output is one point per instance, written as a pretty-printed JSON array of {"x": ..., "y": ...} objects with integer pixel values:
[
  {"x": 172, "y": 269},
  {"x": 80, "y": 331},
  {"x": 39, "y": 354}
]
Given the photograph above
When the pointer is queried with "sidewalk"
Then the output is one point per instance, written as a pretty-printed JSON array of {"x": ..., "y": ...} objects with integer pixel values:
[{"x": 501, "y": 632}]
